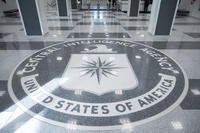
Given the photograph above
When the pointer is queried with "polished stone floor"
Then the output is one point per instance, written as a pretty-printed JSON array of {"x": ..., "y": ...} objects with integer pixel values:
[{"x": 183, "y": 46}]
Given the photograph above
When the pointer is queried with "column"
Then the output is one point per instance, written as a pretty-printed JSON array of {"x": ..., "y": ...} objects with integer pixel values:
[
  {"x": 163, "y": 14},
  {"x": 32, "y": 17},
  {"x": 133, "y": 8},
  {"x": 63, "y": 7},
  {"x": 74, "y": 4}
]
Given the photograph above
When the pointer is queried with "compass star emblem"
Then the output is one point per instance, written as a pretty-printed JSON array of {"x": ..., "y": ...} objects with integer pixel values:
[{"x": 99, "y": 68}]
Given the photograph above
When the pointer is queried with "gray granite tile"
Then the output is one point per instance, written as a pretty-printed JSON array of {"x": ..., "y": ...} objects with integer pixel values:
[
  {"x": 107, "y": 23},
  {"x": 195, "y": 17},
  {"x": 98, "y": 23},
  {"x": 63, "y": 19},
  {"x": 5, "y": 100},
  {"x": 84, "y": 23},
  {"x": 185, "y": 23},
  {"x": 192, "y": 100},
  {"x": 120, "y": 14},
  {"x": 174, "y": 45},
  {"x": 61, "y": 28},
  {"x": 2, "y": 35},
  {"x": 99, "y": 16},
  {"x": 101, "y": 12},
  {"x": 77, "y": 14},
  {"x": 135, "y": 28},
  {"x": 11, "y": 23},
  {"x": 24, "y": 45},
  {"x": 39, "y": 44},
  {"x": 98, "y": 35},
  {"x": 138, "y": 19},
  {"x": 193, "y": 35},
  {"x": 18, "y": 122}
]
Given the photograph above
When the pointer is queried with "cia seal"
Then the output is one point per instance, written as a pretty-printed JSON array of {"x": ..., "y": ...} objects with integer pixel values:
[{"x": 98, "y": 84}]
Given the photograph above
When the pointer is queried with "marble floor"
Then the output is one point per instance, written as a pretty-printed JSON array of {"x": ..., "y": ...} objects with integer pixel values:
[{"x": 20, "y": 113}]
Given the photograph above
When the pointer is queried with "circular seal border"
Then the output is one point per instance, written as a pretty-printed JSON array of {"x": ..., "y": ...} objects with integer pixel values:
[{"x": 96, "y": 128}]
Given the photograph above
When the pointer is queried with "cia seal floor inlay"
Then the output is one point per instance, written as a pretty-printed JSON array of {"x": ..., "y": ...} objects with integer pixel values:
[{"x": 98, "y": 84}]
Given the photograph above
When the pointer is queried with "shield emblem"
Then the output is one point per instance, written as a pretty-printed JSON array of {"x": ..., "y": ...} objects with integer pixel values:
[{"x": 99, "y": 71}]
